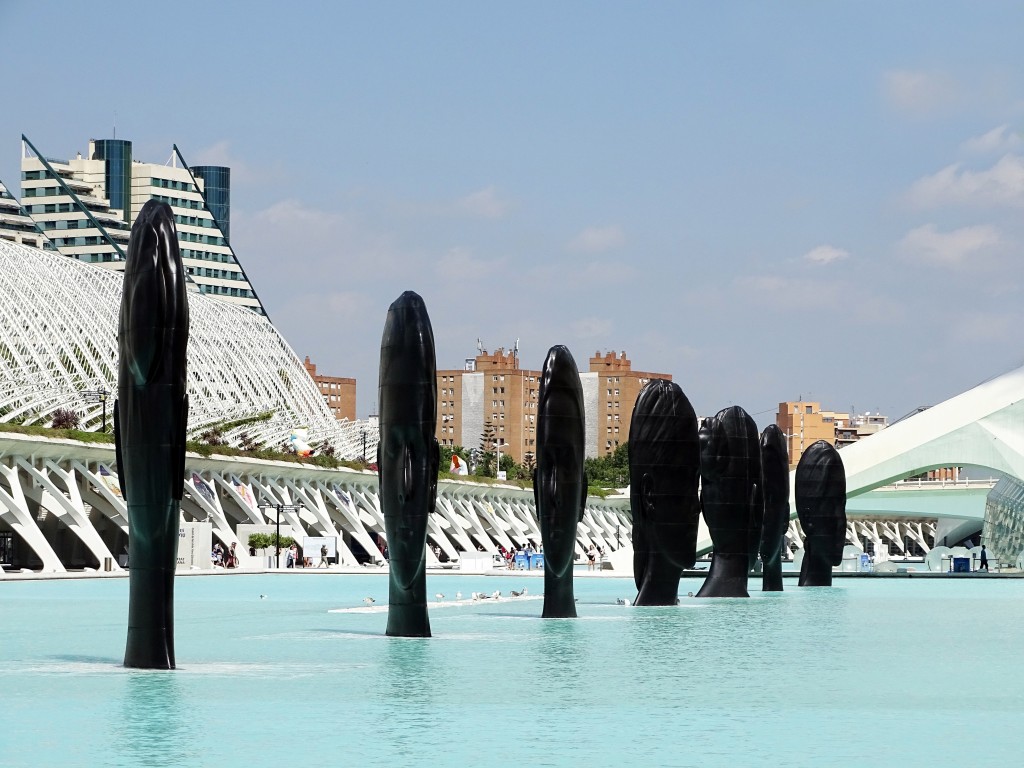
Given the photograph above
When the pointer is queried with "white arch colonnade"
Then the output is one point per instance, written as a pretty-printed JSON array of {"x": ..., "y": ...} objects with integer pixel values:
[{"x": 62, "y": 499}]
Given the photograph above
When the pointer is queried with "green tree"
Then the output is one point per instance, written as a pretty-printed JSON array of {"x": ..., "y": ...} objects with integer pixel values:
[{"x": 611, "y": 471}]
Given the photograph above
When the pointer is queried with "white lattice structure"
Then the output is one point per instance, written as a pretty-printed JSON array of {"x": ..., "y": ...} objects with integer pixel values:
[
  {"x": 61, "y": 500},
  {"x": 58, "y": 339}
]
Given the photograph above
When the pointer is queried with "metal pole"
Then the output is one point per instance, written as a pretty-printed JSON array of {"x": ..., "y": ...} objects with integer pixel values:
[
  {"x": 279, "y": 537},
  {"x": 364, "y": 445},
  {"x": 103, "y": 400}
]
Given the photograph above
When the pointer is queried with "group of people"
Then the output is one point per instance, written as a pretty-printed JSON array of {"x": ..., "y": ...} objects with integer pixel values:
[
  {"x": 224, "y": 559},
  {"x": 527, "y": 551}
]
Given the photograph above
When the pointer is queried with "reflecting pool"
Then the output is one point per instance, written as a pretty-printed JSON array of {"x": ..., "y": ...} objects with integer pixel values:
[{"x": 907, "y": 671}]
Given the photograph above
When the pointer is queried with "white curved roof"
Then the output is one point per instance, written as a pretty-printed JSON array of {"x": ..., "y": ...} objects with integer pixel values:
[{"x": 58, "y": 338}]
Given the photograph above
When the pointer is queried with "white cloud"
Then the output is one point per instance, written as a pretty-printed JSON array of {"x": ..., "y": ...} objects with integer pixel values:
[
  {"x": 919, "y": 91},
  {"x": 597, "y": 239},
  {"x": 1002, "y": 184},
  {"x": 1000, "y": 139},
  {"x": 953, "y": 248},
  {"x": 484, "y": 204},
  {"x": 825, "y": 254}
]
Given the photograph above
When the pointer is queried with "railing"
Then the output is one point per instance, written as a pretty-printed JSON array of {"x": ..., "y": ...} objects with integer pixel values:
[{"x": 906, "y": 485}]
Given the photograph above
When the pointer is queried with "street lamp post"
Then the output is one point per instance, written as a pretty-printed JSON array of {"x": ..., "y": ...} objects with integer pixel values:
[
  {"x": 280, "y": 509},
  {"x": 364, "y": 444},
  {"x": 98, "y": 396}
]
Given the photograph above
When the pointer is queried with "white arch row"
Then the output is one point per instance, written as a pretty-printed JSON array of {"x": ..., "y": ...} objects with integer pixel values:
[
  {"x": 58, "y": 338},
  {"x": 63, "y": 500}
]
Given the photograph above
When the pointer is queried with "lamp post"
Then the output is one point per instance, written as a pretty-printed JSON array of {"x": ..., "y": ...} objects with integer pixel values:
[
  {"x": 364, "y": 444},
  {"x": 97, "y": 396},
  {"x": 280, "y": 509}
]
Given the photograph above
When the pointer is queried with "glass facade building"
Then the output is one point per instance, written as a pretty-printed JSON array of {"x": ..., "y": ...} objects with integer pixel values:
[
  {"x": 217, "y": 191},
  {"x": 117, "y": 157},
  {"x": 1003, "y": 531}
]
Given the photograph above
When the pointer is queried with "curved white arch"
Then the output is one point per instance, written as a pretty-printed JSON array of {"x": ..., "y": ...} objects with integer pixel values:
[{"x": 58, "y": 338}]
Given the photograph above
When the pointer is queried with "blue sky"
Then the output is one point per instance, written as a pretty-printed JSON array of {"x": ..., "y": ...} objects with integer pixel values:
[{"x": 766, "y": 200}]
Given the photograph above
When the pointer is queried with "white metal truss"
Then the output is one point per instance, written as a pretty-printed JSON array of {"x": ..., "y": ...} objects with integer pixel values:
[
  {"x": 63, "y": 501},
  {"x": 58, "y": 340}
]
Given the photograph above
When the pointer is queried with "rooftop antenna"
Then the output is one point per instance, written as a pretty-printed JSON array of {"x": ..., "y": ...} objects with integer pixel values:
[
  {"x": 115, "y": 123},
  {"x": 479, "y": 346}
]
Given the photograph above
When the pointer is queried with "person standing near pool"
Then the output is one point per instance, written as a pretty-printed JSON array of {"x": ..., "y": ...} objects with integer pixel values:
[{"x": 984, "y": 560}]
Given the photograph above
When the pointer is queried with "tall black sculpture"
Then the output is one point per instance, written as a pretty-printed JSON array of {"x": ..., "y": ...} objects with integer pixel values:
[
  {"x": 150, "y": 415},
  {"x": 407, "y": 458},
  {"x": 730, "y": 472},
  {"x": 775, "y": 492},
  {"x": 821, "y": 507},
  {"x": 664, "y": 474},
  {"x": 560, "y": 483}
]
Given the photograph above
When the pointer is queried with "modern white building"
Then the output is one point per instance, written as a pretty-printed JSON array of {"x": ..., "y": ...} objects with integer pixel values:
[
  {"x": 86, "y": 206},
  {"x": 58, "y": 349},
  {"x": 16, "y": 225}
]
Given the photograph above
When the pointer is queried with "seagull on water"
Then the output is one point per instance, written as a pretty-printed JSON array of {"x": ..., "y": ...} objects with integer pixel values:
[
  {"x": 458, "y": 595},
  {"x": 621, "y": 601},
  {"x": 369, "y": 600},
  {"x": 439, "y": 596}
]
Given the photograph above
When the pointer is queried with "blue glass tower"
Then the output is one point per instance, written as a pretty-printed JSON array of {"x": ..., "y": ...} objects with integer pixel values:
[
  {"x": 118, "y": 156},
  {"x": 217, "y": 191}
]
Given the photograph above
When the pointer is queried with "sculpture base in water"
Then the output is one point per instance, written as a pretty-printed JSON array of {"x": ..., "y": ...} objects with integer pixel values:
[
  {"x": 727, "y": 577},
  {"x": 150, "y": 619},
  {"x": 559, "y": 598}
]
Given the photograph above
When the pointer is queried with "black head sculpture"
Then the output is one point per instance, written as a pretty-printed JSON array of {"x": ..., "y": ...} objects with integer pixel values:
[
  {"x": 730, "y": 473},
  {"x": 560, "y": 484},
  {"x": 820, "y": 490},
  {"x": 150, "y": 416},
  {"x": 407, "y": 458},
  {"x": 775, "y": 492},
  {"x": 664, "y": 474}
]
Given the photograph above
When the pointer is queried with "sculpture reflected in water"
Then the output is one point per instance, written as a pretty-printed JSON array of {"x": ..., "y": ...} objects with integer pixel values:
[
  {"x": 407, "y": 458},
  {"x": 560, "y": 483},
  {"x": 664, "y": 474},
  {"x": 821, "y": 506},
  {"x": 150, "y": 417}
]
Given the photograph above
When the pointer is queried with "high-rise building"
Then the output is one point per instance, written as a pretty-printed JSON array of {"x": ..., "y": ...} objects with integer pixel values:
[
  {"x": 86, "y": 206},
  {"x": 492, "y": 403},
  {"x": 339, "y": 393}
]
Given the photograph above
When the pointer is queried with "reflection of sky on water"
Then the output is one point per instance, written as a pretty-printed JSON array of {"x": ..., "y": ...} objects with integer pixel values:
[{"x": 745, "y": 682}]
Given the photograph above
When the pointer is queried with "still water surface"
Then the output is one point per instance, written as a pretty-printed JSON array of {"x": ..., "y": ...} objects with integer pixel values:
[{"x": 901, "y": 671}]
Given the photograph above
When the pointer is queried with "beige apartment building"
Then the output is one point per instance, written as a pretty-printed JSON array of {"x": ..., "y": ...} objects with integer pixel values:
[
  {"x": 339, "y": 393},
  {"x": 492, "y": 391},
  {"x": 804, "y": 423}
]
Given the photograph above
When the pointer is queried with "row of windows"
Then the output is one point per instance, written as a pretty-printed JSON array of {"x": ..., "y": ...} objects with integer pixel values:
[
  {"x": 194, "y": 221},
  {"x": 191, "y": 253},
  {"x": 223, "y": 274},
  {"x": 33, "y": 175},
  {"x": 179, "y": 202},
  {"x": 184, "y": 186},
  {"x": 87, "y": 240},
  {"x": 95, "y": 258},
  {"x": 207, "y": 239},
  {"x": 51, "y": 208},
  {"x": 223, "y": 290},
  {"x": 42, "y": 192}
]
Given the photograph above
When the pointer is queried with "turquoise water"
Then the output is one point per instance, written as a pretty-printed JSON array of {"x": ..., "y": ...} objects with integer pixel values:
[{"x": 902, "y": 671}]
